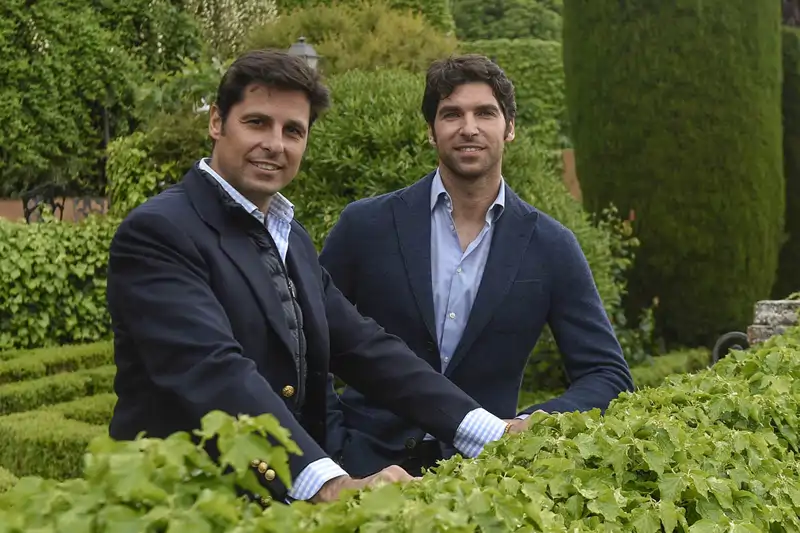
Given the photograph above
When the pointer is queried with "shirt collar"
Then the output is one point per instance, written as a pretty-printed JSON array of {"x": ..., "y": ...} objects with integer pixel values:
[
  {"x": 438, "y": 192},
  {"x": 279, "y": 206}
]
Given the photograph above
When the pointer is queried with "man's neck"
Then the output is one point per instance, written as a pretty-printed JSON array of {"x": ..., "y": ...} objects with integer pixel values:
[
  {"x": 471, "y": 198},
  {"x": 261, "y": 203}
]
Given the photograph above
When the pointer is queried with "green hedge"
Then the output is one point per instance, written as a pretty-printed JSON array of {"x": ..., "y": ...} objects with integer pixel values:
[
  {"x": 46, "y": 362},
  {"x": 30, "y": 395},
  {"x": 675, "y": 115},
  {"x": 47, "y": 444},
  {"x": 537, "y": 71},
  {"x": 53, "y": 282},
  {"x": 507, "y": 19},
  {"x": 96, "y": 409},
  {"x": 436, "y": 11},
  {"x": 788, "y": 279},
  {"x": 355, "y": 35},
  {"x": 710, "y": 452},
  {"x": 7, "y": 479}
]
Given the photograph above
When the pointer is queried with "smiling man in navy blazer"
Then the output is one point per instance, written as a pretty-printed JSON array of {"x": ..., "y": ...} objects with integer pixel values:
[
  {"x": 467, "y": 274},
  {"x": 218, "y": 301}
]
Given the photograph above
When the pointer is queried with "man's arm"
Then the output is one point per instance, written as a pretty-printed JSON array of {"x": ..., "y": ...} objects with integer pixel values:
[
  {"x": 336, "y": 257},
  {"x": 385, "y": 370},
  {"x": 593, "y": 358},
  {"x": 158, "y": 288}
]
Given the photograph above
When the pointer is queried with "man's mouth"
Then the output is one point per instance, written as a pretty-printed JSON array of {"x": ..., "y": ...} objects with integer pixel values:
[
  {"x": 469, "y": 149},
  {"x": 265, "y": 166}
]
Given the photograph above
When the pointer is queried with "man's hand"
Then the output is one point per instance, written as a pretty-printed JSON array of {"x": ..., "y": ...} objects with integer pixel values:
[
  {"x": 331, "y": 490},
  {"x": 518, "y": 426}
]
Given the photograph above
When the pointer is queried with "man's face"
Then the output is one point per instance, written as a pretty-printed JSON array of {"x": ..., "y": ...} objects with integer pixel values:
[
  {"x": 259, "y": 148},
  {"x": 469, "y": 131}
]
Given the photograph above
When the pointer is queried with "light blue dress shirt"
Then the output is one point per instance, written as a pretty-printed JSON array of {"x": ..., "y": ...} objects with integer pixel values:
[{"x": 477, "y": 429}]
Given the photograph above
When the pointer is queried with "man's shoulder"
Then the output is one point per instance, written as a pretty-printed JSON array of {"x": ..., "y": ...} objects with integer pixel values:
[
  {"x": 381, "y": 203},
  {"x": 548, "y": 227},
  {"x": 170, "y": 208}
]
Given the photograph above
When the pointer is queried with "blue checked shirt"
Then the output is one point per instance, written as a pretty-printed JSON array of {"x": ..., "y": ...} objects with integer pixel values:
[{"x": 477, "y": 429}]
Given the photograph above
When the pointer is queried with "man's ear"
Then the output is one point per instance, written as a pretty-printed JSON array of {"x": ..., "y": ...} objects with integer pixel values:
[
  {"x": 510, "y": 131},
  {"x": 215, "y": 125},
  {"x": 431, "y": 136}
]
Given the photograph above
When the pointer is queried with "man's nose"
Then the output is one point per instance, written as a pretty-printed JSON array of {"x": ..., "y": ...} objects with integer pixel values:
[
  {"x": 272, "y": 140},
  {"x": 470, "y": 127}
]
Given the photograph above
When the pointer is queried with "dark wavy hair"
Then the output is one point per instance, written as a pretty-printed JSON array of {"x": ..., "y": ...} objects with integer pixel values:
[
  {"x": 273, "y": 68},
  {"x": 445, "y": 75}
]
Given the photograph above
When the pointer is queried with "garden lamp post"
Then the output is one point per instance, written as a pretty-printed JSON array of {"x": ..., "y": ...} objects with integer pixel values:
[{"x": 302, "y": 49}]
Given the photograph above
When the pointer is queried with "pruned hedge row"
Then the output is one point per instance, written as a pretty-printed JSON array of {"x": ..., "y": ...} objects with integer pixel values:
[
  {"x": 30, "y": 395},
  {"x": 714, "y": 451},
  {"x": 22, "y": 366}
]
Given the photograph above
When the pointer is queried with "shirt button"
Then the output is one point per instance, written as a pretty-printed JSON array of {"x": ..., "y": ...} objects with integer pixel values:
[
  {"x": 458, "y": 270},
  {"x": 452, "y": 315}
]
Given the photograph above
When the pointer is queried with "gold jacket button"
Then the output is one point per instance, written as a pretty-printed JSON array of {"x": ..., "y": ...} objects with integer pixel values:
[
  {"x": 288, "y": 391},
  {"x": 269, "y": 475},
  {"x": 255, "y": 462},
  {"x": 262, "y": 467}
]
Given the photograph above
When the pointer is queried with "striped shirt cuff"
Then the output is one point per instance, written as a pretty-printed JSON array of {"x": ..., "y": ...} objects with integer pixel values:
[
  {"x": 313, "y": 477},
  {"x": 478, "y": 428}
]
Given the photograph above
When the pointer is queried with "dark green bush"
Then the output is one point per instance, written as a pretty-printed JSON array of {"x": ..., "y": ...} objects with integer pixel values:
[
  {"x": 7, "y": 479},
  {"x": 436, "y": 11},
  {"x": 788, "y": 279},
  {"x": 507, "y": 19},
  {"x": 536, "y": 69},
  {"x": 359, "y": 35},
  {"x": 675, "y": 115}
]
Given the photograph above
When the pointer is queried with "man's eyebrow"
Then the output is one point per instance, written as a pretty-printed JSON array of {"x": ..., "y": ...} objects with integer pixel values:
[
  {"x": 263, "y": 116},
  {"x": 482, "y": 107}
]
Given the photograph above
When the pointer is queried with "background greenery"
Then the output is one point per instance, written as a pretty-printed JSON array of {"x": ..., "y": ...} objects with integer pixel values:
[{"x": 675, "y": 116}]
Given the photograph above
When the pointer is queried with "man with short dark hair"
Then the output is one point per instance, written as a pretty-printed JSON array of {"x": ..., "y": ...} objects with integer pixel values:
[
  {"x": 467, "y": 274},
  {"x": 218, "y": 301}
]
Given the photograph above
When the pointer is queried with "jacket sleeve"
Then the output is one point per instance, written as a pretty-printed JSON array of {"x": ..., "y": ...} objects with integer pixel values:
[
  {"x": 383, "y": 368},
  {"x": 159, "y": 294},
  {"x": 592, "y": 356},
  {"x": 336, "y": 257}
]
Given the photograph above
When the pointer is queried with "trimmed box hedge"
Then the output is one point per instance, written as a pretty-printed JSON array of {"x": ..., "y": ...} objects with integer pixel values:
[
  {"x": 30, "y": 395},
  {"x": 30, "y": 365},
  {"x": 96, "y": 409},
  {"x": 45, "y": 443}
]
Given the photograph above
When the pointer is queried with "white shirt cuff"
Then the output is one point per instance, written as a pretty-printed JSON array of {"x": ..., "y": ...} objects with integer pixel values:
[
  {"x": 523, "y": 416},
  {"x": 313, "y": 477},
  {"x": 479, "y": 427}
]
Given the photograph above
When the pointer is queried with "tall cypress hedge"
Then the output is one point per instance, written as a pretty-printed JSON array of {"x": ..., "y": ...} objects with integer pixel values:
[
  {"x": 675, "y": 114},
  {"x": 789, "y": 267}
]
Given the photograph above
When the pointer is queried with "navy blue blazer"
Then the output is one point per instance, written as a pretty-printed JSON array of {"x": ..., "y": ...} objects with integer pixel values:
[
  {"x": 379, "y": 256},
  {"x": 199, "y": 326}
]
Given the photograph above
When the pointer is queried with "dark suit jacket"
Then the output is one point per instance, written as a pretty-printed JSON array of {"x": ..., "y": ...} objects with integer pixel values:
[
  {"x": 379, "y": 255},
  {"x": 199, "y": 326}
]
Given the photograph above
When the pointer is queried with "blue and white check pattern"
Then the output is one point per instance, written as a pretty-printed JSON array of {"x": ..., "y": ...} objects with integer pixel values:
[
  {"x": 279, "y": 216},
  {"x": 477, "y": 429}
]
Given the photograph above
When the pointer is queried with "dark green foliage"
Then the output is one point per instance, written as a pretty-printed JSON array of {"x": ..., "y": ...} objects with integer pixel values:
[
  {"x": 507, "y": 19},
  {"x": 536, "y": 69},
  {"x": 789, "y": 266},
  {"x": 69, "y": 72},
  {"x": 436, "y": 11},
  {"x": 675, "y": 115},
  {"x": 7, "y": 479}
]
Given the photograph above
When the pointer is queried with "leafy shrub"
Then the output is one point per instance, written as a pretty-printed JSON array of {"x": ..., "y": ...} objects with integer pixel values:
[
  {"x": 47, "y": 362},
  {"x": 358, "y": 35},
  {"x": 146, "y": 162},
  {"x": 714, "y": 451},
  {"x": 226, "y": 22},
  {"x": 7, "y": 479},
  {"x": 61, "y": 69},
  {"x": 536, "y": 69},
  {"x": 436, "y": 12},
  {"x": 788, "y": 278},
  {"x": 507, "y": 19},
  {"x": 675, "y": 115},
  {"x": 53, "y": 276},
  {"x": 29, "y": 395}
]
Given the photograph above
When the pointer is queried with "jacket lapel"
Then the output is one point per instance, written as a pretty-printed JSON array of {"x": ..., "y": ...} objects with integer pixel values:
[
  {"x": 231, "y": 223},
  {"x": 412, "y": 212},
  {"x": 512, "y": 234}
]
